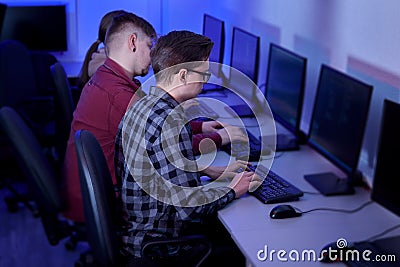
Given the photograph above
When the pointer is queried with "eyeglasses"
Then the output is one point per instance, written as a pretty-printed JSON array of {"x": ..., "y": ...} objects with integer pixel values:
[{"x": 206, "y": 75}]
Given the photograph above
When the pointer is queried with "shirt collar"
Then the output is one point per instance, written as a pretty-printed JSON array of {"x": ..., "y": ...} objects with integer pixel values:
[
  {"x": 121, "y": 72},
  {"x": 165, "y": 96}
]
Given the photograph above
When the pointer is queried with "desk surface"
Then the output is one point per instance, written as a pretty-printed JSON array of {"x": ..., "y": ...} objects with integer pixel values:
[{"x": 248, "y": 222}]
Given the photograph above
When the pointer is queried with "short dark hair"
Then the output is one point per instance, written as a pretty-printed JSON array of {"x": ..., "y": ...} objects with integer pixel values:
[
  {"x": 105, "y": 22},
  {"x": 127, "y": 19},
  {"x": 179, "y": 47}
]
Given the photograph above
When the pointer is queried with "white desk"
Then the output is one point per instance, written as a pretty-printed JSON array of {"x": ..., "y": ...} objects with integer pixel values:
[{"x": 249, "y": 224}]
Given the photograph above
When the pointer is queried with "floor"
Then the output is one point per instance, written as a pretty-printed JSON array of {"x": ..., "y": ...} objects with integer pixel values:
[{"x": 23, "y": 241}]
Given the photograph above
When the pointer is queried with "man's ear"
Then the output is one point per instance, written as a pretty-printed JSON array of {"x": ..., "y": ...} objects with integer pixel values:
[
  {"x": 132, "y": 42},
  {"x": 183, "y": 75}
]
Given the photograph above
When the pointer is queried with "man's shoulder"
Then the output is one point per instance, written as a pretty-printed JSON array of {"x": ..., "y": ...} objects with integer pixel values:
[
  {"x": 104, "y": 76},
  {"x": 111, "y": 83}
]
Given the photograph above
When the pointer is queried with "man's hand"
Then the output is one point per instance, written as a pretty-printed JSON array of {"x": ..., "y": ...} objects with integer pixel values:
[
  {"x": 211, "y": 126},
  {"x": 215, "y": 172},
  {"x": 231, "y": 133},
  {"x": 243, "y": 182},
  {"x": 227, "y": 132}
]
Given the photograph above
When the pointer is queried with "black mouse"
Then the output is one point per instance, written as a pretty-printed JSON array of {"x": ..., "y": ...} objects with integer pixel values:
[
  {"x": 333, "y": 252},
  {"x": 284, "y": 211}
]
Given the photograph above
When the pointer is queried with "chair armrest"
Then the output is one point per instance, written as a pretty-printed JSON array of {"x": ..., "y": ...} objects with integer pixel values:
[{"x": 186, "y": 250}]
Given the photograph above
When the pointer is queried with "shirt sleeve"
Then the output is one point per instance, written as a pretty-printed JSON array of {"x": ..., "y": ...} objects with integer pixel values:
[
  {"x": 196, "y": 126},
  {"x": 172, "y": 157},
  {"x": 198, "y": 137}
]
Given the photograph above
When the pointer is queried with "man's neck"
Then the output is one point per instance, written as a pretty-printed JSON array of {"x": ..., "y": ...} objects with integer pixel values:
[{"x": 123, "y": 66}]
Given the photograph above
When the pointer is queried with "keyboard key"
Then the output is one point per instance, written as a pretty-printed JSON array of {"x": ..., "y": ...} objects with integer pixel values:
[{"x": 274, "y": 188}]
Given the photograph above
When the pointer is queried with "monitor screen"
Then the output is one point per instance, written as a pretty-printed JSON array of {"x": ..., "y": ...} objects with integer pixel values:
[
  {"x": 214, "y": 29},
  {"x": 245, "y": 53},
  {"x": 38, "y": 27},
  {"x": 3, "y": 8},
  {"x": 339, "y": 118},
  {"x": 284, "y": 88},
  {"x": 386, "y": 181}
]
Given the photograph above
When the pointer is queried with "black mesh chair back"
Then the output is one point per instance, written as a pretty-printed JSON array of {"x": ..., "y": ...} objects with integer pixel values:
[
  {"x": 64, "y": 108},
  {"x": 41, "y": 176},
  {"x": 18, "y": 89},
  {"x": 99, "y": 200},
  {"x": 17, "y": 78}
]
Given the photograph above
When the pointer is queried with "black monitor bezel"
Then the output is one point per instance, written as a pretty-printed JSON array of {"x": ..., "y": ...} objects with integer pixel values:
[
  {"x": 379, "y": 171},
  {"x": 257, "y": 59},
  {"x": 295, "y": 130},
  {"x": 60, "y": 46},
  {"x": 351, "y": 171},
  {"x": 222, "y": 34},
  {"x": 3, "y": 8}
]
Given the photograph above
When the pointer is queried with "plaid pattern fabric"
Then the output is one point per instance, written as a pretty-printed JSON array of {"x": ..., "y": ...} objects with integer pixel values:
[{"x": 160, "y": 183}]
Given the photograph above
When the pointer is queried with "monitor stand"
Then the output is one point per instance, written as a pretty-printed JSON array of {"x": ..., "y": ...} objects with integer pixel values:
[{"x": 329, "y": 184}]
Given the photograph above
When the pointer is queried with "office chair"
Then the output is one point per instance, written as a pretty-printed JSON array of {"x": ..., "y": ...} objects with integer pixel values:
[
  {"x": 41, "y": 176},
  {"x": 102, "y": 217},
  {"x": 42, "y": 60},
  {"x": 18, "y": 89},
  {"x": 64, "y": 108}
]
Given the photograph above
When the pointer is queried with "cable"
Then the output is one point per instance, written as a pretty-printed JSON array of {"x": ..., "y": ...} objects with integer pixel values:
[
  {"x": 372, "y": 238},
  {"x": 341, "y": 210}
]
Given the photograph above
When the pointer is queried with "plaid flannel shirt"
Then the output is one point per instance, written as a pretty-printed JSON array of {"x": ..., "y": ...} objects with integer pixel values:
[{"x": 160, "y": 180}]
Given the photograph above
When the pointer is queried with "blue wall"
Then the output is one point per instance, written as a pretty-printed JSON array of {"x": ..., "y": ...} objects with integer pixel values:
[{"x": 360, "y": 37}]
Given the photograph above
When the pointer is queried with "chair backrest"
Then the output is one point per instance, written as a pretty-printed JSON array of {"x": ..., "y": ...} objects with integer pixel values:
[
  {"x": 99, "y": 199},
  {"x": 42, "y": 60},
  {"x": 102, "y": 217},
  {"x": 41, "y": 176},
  {"x": 64, "y": 107},
  {"x": 17, "y": 78},
  {"x": 36, "y": 166}
]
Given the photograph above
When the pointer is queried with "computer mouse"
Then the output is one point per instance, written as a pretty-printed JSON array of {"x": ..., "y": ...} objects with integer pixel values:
[
  {"x": 284, "y": 211},
  {"x": 332, "y": 252}
]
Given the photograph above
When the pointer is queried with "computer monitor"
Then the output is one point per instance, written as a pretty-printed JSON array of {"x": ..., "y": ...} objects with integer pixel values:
[
  {"x": 214, "y": 29},
  {"x": 245, "y": 53},
  {"x": 284, "y": 89},
  {"x": 3, "y": 8},
  {"x": 38, "y": 27},
  {"x": 386, "y": 182},
  {"x": 337, "y": 128}
]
